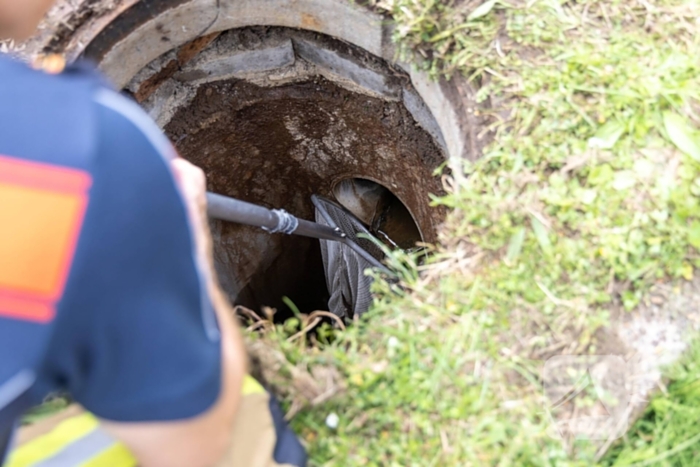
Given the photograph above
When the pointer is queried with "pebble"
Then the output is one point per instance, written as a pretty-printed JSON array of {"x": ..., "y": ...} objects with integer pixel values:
[{"x": 332, "y": 420}]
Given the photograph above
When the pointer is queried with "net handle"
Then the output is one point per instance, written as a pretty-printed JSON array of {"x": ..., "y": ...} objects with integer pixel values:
[{"x": 272, "y": 220}]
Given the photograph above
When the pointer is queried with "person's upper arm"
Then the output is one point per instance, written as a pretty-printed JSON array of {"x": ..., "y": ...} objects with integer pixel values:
[{"x": 136, "y": 339}]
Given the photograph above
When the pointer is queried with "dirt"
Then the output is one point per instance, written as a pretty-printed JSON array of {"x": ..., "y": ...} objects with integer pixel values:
[
  {"x": 278, "y": 146},
  {"x": 184, "y": 55}
]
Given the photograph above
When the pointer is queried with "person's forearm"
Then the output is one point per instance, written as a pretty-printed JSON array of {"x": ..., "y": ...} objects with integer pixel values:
[
  {"x": 203, "y": 440},
  {"x": 233, "y": 355}
]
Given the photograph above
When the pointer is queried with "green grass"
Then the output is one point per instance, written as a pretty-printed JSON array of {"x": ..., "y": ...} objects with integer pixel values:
[
  {"x": 586, "y": 196},
  {"x": 667, "y": 434},
  {"x": 51, "y": 406}
]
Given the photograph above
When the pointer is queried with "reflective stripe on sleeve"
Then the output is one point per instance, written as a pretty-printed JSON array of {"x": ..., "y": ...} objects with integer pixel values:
[
  {"x": 116, "y": 455},
  {"x": 41, "y": 214},
  {"x": 82, "y": 449},
  {"x": 78, "y": 441},
  {"x": 251, "y": 386}
]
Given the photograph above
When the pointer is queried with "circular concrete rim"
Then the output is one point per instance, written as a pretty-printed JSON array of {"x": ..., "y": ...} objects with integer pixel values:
[
  {"x": 131, "y": 36},
  {"x": 269, "y": 57},
  {"x": 451, "y": 107}
]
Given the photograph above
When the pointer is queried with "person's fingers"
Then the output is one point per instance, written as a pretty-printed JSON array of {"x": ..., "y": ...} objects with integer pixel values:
[
  {"x": 192, "y": 184},
  {"x": 190, "y": 171},
  {"x": 191, "y": 179}
]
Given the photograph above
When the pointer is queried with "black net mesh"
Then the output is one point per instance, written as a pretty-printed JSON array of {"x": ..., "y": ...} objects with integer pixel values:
[{"x": 344, "y": 265}]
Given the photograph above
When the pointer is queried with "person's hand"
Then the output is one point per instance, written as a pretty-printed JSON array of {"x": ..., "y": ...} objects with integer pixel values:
[
  {"x": 179, "y": 442},
  {"x": 192, "y": 182},
  {"x": 193, "y": 186}
]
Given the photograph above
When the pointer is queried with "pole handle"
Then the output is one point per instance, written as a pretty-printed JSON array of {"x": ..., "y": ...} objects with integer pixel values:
[{"x": 234, "y": 210}]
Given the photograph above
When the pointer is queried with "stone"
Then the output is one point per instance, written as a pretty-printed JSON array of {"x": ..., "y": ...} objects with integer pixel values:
[
  {"x": 156, "y": 37},
  {"x": 340, "y": 67},
  {"x": 238, "y": 65},
  {"x": 423, "y": 116}
]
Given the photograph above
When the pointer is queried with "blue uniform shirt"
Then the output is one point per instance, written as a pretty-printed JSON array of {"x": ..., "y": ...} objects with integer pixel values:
[{"x": 134, "y": 336}]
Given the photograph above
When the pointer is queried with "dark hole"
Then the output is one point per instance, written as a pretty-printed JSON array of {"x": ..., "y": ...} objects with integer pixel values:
[
  {"x": 277, "y": 146},
  {"x": 296, "y": 273}
]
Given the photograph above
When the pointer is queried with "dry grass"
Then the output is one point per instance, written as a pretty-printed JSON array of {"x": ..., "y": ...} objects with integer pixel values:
[{"x": 585, "y": 199}]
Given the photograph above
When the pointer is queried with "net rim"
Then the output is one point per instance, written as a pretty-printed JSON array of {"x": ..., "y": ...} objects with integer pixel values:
[{"x": 319, "y": 201}]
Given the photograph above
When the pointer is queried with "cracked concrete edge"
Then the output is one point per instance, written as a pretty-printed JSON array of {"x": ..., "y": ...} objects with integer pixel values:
[
  {"x": 356, "y": 73},
  {"x": 238, "y": 65},
  {"x": 184, "y": 22},
  {"x": 341, "y": 19},
  {"x": 422, "y": 115},
  {"x": 338, "y": 18},
  {"x": 274, "y": 54},
  {"x": 439, "y": 97},
  {"x": 655, "y": 334},
  {"x": 173, "y": 28},
  {"x": 345, "y": 68}
]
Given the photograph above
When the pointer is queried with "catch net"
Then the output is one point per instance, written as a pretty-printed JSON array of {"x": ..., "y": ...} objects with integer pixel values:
[{"x": 345, "y": 262}]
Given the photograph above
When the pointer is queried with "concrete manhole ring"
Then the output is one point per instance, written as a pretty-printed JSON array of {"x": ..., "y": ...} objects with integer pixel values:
[
  {"x": 278, "y": 100},
  {"x": 154, "y": 48}
]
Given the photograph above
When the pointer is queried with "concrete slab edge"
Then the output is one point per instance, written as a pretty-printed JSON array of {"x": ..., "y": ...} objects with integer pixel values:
[{"x": 338, "y": 18}]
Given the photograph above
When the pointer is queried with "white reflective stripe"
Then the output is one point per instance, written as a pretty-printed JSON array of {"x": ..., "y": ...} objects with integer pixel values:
[
  {"x": 15, "y": 387},
  {"x": 136, "y": 115},
  {"x": 80, "y": 451}
]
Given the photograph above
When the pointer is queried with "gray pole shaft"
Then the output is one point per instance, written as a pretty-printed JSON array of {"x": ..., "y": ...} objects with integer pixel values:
[{"x": 240, "y": 212}]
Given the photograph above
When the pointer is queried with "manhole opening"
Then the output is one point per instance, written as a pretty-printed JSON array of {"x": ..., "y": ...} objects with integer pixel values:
[{"x": 268, "y": 116}]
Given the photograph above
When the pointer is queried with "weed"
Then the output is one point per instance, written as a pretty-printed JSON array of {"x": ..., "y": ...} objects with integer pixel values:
[{"x": 586, "y": 197}]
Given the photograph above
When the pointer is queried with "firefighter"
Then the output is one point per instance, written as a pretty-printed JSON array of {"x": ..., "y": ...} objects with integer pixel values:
[{"x": 107, "y": 290}]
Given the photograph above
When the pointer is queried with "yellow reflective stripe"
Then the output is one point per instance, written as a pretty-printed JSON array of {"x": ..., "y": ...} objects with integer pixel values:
[
  {"x": 117, "y": 455},
  {"x": 251, "y": 386},
  {"x": 69, "y": 431},
  {"x": 48, "y": 445}
]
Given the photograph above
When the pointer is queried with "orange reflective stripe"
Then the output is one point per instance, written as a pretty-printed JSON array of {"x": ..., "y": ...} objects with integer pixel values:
[
  {"x": 36, "y": 227},
  {"x": 43, "y": 176},
  {"x": 41, "y": 213},
  {"x": 25, "y": 308}
]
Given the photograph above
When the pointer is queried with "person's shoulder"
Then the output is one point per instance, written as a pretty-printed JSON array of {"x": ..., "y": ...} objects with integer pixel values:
[
  {"x": 48, "y": 72},
  {"x": 46, "y": 117},
  {"x": 11, "y": 66},
  {"x": 121, "y": 114}
]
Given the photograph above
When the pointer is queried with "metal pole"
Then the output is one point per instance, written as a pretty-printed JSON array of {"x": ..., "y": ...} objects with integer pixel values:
[{"x": 241, "y": 212}]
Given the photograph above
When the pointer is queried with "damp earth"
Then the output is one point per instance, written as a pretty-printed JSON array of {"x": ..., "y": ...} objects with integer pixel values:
[{"x": 277, "y": 146}]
